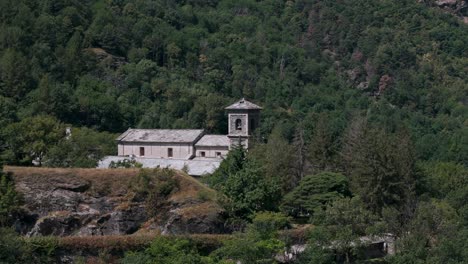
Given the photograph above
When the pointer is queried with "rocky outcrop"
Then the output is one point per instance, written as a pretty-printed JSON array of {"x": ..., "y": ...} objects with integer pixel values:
[
  {"x": 96, "y": 202},
  {"x": 458, "y": 8}
]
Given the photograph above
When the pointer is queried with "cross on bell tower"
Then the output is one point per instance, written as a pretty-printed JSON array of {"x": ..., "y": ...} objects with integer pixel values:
[{"x": 244, "y": 118}]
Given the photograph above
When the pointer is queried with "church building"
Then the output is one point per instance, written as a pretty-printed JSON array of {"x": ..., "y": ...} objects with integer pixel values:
[{"x": 191, "y": 149}]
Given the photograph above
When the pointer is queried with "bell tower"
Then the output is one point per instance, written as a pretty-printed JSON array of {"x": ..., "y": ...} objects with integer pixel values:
[{"x": 244, "y": 118}]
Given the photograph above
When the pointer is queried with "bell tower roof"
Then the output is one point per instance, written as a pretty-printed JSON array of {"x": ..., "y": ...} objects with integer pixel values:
[{"x": 243, "y": 104}]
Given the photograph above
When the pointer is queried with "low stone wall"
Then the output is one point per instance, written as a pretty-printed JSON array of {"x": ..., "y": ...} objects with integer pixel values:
[{"x": 194, "y": 167}]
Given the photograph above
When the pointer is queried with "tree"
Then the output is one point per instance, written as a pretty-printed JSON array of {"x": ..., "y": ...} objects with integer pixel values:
[
  {"x": 10, "y": 200},
  {"x": 322, "y": 146},
  {"x": 32, "y": 138},
  {"x": 342, "y": 224},
  {"x": 433, "y": 229},
  {"x": 233, "y": 163},
  {"x": 299, "y": 154},
  {"x": 83, "y": 148},
  {"x": 380, "y": 165},
  {"x": 249, "y": 191},
  {"x": 259, "y": 244},
  {"x": 14, "y": 80},
  {"x": 315, "y": 192},
  {"x": 278, "y": 166}
]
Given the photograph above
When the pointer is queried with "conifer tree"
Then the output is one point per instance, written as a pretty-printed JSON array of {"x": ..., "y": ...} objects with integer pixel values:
[{"x": 9, "y": 199}]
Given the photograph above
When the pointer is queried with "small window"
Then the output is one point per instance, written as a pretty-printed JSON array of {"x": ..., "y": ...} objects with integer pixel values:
[
  {"x": 218, "y": 154},
  {"x": 238, "y": 124},
  {"x": 170, "y": 152},
  {"x": 142, "y": 151},
  {"x": 202, "y": 153}
]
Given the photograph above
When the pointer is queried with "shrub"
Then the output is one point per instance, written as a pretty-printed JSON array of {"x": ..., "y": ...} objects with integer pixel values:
[
  {"x": 10, "y": 200},
  {"x": 267, "y": 223},
  {"x": 314, "y": 192},
  {"x": 167, "y": 250}
]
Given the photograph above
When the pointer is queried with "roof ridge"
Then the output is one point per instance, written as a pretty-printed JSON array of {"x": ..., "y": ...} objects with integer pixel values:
[{"x": 243, "y": 104}]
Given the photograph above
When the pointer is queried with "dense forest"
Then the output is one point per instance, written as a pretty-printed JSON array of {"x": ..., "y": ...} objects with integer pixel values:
[{"x": 365, "y": 109}]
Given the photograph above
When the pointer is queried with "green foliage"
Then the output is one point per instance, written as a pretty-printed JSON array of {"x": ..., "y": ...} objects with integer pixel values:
[
  {"x": 279, "y": 166},
  {"x": 314, "y": 193},
  {"x": 380, "y": 165},
  {"x": 313, "y": 65},
  {"x": 259, "y": 243},
  {"x": 266, "y": 224},
  {"x": 431, "y": 236},
  {"x": 245, "y": 187},
  {"x": 340, "y": 227},
  {"x": 31, "y": 139},
  {"x": 165, "y": 250},
  {"x": 446, "y": 180},
  {"x": 10, "y": 200},
  {"x": 233, "y": 163},
  {"x": 12, "y": 246},
  {"x": 41, "y": 249},
  {"x": 16, "y": 249},
  {"x": 83, "y": 148},
  {"x": 249, "y": 191}
]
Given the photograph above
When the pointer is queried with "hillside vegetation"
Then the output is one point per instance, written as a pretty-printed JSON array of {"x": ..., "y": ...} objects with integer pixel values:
[
  {"x": 364, "y": 130},
  {"x": 110, "y": 65}
]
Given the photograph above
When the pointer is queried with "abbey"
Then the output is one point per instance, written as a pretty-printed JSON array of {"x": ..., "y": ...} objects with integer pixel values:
[{"x": 191, "y": 149}]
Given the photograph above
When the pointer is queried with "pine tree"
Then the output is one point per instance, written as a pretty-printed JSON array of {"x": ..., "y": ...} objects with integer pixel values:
[{"x": 380, "y": 165}]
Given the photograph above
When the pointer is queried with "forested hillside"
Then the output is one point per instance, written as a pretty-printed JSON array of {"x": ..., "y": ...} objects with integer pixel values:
[
  {"x": 365, "y": 114},
  {"x": 110, "y": 65}
]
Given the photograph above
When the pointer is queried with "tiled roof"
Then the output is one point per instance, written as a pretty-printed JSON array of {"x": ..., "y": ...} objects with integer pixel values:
[
  {"x": 213, "y": 141},
  {"x": 243, "y": 104},
  {"x": 161, "y": 135}
]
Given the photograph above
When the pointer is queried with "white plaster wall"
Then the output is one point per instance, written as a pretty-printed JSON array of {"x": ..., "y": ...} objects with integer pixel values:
[
  {"x": 156, "y": 150},
  {"x": 210, "y": 152}
]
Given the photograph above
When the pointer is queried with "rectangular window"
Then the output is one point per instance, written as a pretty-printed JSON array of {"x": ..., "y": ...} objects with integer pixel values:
[
  {"x": 202, "y": 153},
  {"x": 218, "y": 154},
  {"x": 252, "y": 124},
  {"x": 170, "y": 152},
  {"x": 142, "y": 151}
]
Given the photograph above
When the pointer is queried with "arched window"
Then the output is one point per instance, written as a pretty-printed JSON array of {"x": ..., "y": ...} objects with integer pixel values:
[{"x": 238, "y": 124}]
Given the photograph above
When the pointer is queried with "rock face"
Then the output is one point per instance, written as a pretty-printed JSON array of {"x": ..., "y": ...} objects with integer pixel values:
[
  {"x": 456, "y": 7},
  {"x": 94, "y": 202}
]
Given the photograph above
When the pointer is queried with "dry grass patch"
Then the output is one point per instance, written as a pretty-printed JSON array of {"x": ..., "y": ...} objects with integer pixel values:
[
  {"x": 198, "y": 210},
  {"x": 103, "y": 182},
  {"x": 190, "y": 188}
]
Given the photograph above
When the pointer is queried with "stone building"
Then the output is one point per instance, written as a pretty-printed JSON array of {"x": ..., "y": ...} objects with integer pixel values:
[
  {"x": 244, "y": 118},
  {"x": 191, "y": 149}
]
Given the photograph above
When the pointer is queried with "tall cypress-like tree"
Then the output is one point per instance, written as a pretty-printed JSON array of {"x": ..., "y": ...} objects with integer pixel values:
[{"x": 380, "y": 165}]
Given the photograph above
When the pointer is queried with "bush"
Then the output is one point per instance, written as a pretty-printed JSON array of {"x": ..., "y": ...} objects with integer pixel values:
[
  {"x": 166, "y": 250},
  {"x": 314, "y": 192},
  {"x": 15, "y": 249},
  {"x": 10, "y": 200},
  {"x": 12, "y": 247},
  {"x": 267, "y": 223}
]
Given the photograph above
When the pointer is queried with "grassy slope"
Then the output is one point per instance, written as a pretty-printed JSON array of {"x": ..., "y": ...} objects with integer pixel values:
[{"x": 115, "y": 180}]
